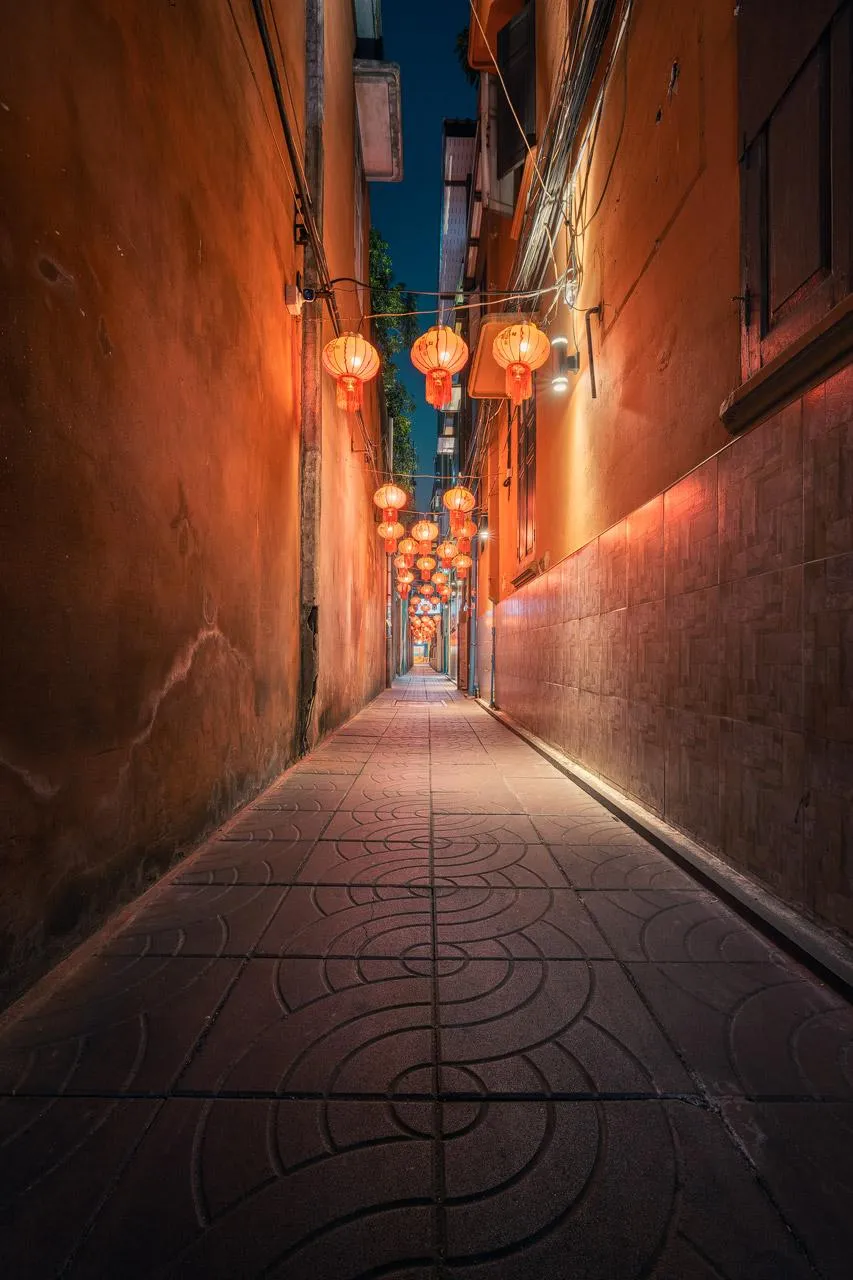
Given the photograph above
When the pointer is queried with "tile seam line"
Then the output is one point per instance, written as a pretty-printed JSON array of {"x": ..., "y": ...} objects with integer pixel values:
[{"x": 827, "y": 959}]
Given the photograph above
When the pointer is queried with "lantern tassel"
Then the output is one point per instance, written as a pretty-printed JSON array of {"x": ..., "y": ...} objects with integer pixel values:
[
  {"x": 439, "y": 388},
  {"x": 519, "y": 383},
  {"x": 349, "y": 394}
]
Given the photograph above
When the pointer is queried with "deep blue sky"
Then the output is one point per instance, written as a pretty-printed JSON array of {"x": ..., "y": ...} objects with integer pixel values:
[{"x": 408, "y": 212}]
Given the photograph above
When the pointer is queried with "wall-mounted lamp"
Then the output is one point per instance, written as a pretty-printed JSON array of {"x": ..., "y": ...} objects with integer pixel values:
[{"x": 562, "y": 364}]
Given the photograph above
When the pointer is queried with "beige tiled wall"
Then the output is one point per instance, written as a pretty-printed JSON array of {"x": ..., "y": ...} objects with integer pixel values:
[{"x": 699, "y": 654}]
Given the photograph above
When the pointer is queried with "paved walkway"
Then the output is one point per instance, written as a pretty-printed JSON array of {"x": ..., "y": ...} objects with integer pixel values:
[{"x": 425, "y": 1009}]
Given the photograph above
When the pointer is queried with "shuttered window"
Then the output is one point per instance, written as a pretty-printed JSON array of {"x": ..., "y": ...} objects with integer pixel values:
[
  {"x": 516, "y": 58},
  {"x": 795, "y": 119},
  {"x": 526, "y": 473}
]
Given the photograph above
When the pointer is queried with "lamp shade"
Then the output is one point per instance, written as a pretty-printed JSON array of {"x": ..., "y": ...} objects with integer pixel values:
[
  {"x": 519, "y": 349},
  {"x": 352, "y": 361}
]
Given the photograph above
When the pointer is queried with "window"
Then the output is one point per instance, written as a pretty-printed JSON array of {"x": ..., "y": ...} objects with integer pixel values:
[
  {"x": 794, "y": 105},
  {"x": 516, "y": 57},
  {"x": 525, "y": 418}
]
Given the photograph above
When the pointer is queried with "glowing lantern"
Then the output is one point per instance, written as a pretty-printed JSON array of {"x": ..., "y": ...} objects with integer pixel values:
[
  {"x": 408, "y": 547},
  {"x": 391, "y": 498},
  {"x": 462, "y": 564},
  {"x": 439, "y": 578},
  {"x": 351, "y": 361},
  {"x": 520, "y": 348},
  {"x": 438, "y": 353},
  {"x": 400, "y": 562},
  {"x": 426, "y": 564},
  {"x": 424, "y": 533},
  {"x": 390, "y": 530},
  {"x": 458, "y": 501},
  {"x": 445, "y": 552},
  {"x": 467, "y": 531},
  {"x": 404, "y": 577},
  {"x": 426, "y": 589}
]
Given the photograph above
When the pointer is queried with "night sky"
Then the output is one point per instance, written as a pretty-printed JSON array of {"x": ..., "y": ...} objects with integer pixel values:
[{"x": 408, "y": 212}]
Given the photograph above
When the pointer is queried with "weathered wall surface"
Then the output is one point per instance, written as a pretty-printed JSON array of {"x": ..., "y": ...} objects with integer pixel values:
[
  {"x": 149, "y": 468},
  {"x": 352, "y": 557},
  {"x": 657, "y": 210},
  {"x": 697, "y": 654}
]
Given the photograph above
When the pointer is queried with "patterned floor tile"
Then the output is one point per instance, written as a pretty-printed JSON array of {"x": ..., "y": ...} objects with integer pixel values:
[
  {"x": 376, "y": 1026},
  {"x": 611, "y": 866},
  {"x": 804, "y": 1154},
  {"x": 673, "y": 924},
  {"x": 350, "y": 862},
  {"x": 600, "y": 828},
  {"x": 605, "y": 1190},
  {"x": 556, "y": 797},
  {"x": 352, "y": 921},
  {"x": 328, "y": 1189},
  {"x": 319, "y": 792},
  {"x": 199, "y": 920},
  {"x": 543, "y": 1027},
  {"x": 529, "y": 924},
  {"x": 259, "y": 825},
  {"x": 308, "y": 1026},
  {"x": 487, "y": 829},
  {"x": 120, "y": 1025},
  {"x": 391, "y": 825},
  {"x": 755, "y": 1029},
  {"x": 255, "y": 862}
]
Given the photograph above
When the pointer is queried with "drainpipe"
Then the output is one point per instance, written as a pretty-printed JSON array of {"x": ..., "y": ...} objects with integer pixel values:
[
  {"x": 312, "y": 389},
  {"x": 473, "y": 598},
  {"x": 494, "y": 607},
  {"x": 390, "y": 610}
]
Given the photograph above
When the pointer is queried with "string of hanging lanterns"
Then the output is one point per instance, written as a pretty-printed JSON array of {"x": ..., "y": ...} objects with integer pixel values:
[
  {"x": 520, "y": 349},
  {"x": 352, "y": 361}
]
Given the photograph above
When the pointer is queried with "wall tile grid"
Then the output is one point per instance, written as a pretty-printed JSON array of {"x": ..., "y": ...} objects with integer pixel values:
[{"x": 699, "y": 654}]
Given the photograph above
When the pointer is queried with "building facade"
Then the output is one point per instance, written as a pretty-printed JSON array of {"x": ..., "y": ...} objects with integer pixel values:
[
  {"x": 665, "y": 590},
  {"x": 192, "y": 589}
]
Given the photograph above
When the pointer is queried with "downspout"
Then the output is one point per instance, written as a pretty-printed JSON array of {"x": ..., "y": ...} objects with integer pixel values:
[
  {"x": 473, "y": 596},
  {"x": 312, "y": 387},
  {"x": 390, "y": 610}
]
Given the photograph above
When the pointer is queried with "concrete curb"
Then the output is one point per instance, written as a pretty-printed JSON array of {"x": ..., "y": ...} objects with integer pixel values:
[{"x": 826, "y": 955}]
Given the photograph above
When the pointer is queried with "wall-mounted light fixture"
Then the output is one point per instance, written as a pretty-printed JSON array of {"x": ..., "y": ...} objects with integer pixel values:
[{"x": 562, "y": 364}]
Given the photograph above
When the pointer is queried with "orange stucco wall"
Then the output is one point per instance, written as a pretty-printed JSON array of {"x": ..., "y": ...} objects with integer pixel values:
[
  {"x": 150, "y": 419},
  {"x": 660, "y": 256}
]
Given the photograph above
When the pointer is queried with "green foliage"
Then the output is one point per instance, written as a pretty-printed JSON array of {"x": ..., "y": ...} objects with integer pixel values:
[
  {"x": 395, "y": 332},
  {"x": 468, "y": 72}
]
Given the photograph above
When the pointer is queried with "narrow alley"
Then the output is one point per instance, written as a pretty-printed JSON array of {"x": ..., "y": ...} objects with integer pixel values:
[{"x": 424, "y": 1008}]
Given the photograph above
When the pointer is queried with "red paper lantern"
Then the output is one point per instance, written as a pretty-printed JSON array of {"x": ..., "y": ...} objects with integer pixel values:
[
  {"x": 467, "y": 531},
  {"x": 446, "y": 551},
  {"x": 462, "y": 564},
  {"x": 351, "y": 361},
  {"x": 424, "y": 532},
  {"x": 439, "y": 353},
  {"x": 520, "y": 348},
  {"x": 408, "y": 548},
  {"x": 390, "y": 530}
]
